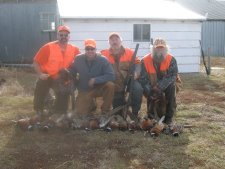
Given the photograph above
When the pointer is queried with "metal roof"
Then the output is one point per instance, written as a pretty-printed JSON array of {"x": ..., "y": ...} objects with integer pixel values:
[
  {"x": 213, "y": 9},
  {"x": 125, "y": 9}
]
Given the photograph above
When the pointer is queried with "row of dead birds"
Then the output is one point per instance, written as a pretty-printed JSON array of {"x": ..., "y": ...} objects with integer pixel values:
[{"x": 65, "y": 121}]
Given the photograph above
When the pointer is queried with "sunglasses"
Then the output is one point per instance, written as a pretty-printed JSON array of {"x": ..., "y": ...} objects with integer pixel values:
[
  {"x": 89, "y": 49},
  {"x": 63, "y": 35}
]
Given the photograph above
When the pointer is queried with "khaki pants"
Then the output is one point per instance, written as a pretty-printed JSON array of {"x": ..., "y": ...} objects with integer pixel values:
[{"x": 85, "y": 102}]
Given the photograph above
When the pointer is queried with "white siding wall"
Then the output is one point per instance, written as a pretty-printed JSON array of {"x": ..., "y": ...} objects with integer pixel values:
[{"x": 182, "y": 37}]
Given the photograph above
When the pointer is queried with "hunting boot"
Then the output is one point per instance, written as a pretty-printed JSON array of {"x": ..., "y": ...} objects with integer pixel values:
[{"x": 134, "y": 116}]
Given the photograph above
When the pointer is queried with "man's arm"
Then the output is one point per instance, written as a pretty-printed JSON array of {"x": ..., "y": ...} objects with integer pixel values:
[
  {"x": 41, "y": 58},
  {"x": 170, "y": 77},
  {"x": 108, "y": 73},
  {"x": 72, "y": 70},
  {"x": 37, "y": 68}
]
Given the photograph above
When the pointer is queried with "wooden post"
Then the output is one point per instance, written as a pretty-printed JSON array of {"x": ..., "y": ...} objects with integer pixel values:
[{"x": 209, "y": 61}]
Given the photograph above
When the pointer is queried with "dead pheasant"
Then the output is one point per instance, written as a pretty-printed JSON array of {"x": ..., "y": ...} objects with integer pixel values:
[
  {"x": 158, "y": 128},
  {"x": 147, "y": 123}
]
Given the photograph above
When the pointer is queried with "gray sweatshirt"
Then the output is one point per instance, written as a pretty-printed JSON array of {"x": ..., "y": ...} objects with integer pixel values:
[{"x": 99, "y": 69}]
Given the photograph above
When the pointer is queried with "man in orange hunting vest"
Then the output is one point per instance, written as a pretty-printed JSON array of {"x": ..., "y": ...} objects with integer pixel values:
[
  {"x": 158, "y": 77},
  {"x": 50, "y": 59},
  {"x": 120, "y": 59}
]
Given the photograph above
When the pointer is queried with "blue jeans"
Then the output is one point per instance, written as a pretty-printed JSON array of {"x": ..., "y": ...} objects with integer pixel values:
[{"x": 136, "y": 98}]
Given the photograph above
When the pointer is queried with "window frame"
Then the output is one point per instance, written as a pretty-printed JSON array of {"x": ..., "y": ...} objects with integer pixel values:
[
  {"x": 142, "y": 40},
  {"x": 49, "y": 21}
]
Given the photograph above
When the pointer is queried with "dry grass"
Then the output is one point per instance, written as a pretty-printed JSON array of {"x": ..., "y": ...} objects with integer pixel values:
[{"x": 201, "y": 103}]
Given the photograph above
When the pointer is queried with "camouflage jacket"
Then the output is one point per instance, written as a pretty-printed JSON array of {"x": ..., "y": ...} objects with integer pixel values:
[{"x": 162, "y": 81}]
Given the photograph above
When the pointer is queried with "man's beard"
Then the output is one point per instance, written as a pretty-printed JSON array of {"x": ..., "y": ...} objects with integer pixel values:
[
  {"x": 116, "y": 50},
  {"x": 63, "y": 40},
  {"x": 115, "y": 47},
  {"x": 158, "y": 57}
]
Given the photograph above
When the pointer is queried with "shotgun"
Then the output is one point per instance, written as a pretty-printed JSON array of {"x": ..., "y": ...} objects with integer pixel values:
[{"x": 129, "y": 82}]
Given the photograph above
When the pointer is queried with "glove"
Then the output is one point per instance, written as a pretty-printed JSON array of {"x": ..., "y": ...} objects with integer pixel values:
[
  {"x": 156, "y": 89},
  {"x": 157, "y": 93}
]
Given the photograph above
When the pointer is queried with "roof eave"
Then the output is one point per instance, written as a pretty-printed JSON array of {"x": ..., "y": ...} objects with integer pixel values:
[
  {"x": 132, "y": 18},
  {"x": 217, "y": 19}
]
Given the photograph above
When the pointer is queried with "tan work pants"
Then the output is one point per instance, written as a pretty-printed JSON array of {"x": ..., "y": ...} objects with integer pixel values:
[{"x": 85, "y": 102}]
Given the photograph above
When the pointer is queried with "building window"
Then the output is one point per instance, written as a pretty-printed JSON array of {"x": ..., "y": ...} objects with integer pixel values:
[
  {"x": 47, "y": 22},
  {"x": 141, "y": 32}
]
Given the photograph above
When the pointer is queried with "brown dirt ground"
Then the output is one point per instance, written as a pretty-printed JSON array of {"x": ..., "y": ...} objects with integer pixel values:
[{"x": 201, "y": 100}]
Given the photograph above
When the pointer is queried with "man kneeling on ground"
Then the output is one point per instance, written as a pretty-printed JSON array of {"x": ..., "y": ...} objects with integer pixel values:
[
  {"x": 48, "y": 62},
  {"x": 158, "y": 78},
  {"x": 95, "y": 79},
  {"x": 120, "y": 58}
]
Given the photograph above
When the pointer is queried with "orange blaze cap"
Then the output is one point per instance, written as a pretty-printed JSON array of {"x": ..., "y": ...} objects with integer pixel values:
[
  {"x": 114, "y": 34},
  {"x": 90, "y": 43},
  {"x": 159, "y": 42},
  {"x": 64, "y": 28}
]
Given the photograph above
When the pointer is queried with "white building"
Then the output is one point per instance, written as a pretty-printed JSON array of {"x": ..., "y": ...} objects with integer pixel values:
[{"x": 137, "y": 22}]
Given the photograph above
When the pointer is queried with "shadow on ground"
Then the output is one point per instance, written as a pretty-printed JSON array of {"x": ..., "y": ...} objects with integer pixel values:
[{"x": 95, "y": 149}]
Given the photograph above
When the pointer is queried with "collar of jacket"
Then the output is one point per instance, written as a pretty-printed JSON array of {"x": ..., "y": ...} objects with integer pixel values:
[
  {"x": 91, "y": 59},
  {"x": 120, "y": 53}
]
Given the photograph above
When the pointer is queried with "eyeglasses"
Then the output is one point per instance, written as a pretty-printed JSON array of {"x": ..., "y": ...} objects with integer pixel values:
[
  {"x": 89, "y": 49},
  {"x": 63, "y": 35}
]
